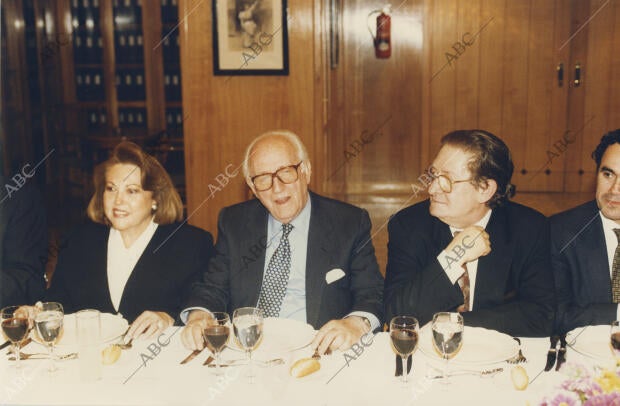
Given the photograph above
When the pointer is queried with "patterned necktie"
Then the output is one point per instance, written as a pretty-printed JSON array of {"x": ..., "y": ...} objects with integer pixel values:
[
  {"x": 615, "y": 275},
  {"x": 276, "y": 277},
  {"x": 463, "y": 282}
]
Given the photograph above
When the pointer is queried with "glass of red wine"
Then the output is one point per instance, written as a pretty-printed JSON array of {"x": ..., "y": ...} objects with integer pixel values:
[
  {"x": 615, "y": 339},
  {"x": 15, "y": 326},
  {"x": 404, "y": 333},
  {"x": 216, "y": 336}
]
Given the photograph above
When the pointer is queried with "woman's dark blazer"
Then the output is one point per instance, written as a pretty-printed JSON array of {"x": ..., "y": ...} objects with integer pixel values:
[{"x": 173, "y": 259}]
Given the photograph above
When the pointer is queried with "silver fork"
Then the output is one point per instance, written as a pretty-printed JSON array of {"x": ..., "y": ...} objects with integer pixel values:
[
  {"x": 434, "y": 373},
  {"x": 519, "y": 358},
  {"x": 23, "y": 356}
]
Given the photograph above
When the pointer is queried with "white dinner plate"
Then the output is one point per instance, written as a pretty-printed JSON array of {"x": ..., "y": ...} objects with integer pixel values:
[
  {"x": 280, "y": 336},
  {"x": 592, "y": 341},
  {"x": 480, "y": 346},
  {"x": 112, "y": 327}
]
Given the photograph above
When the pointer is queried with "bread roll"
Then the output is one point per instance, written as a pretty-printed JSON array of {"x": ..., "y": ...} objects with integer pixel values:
[
  {"x": 110, "y": 354},
  {"x": 520, "y": 380},
  {"x": 304, "y": 366}
]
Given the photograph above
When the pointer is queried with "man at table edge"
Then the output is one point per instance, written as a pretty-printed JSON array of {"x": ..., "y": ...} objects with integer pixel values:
[
  {"x": 584, "y": 248},
  {"x": 334, "y": 282},
  {"x": 468, "y": 248}
]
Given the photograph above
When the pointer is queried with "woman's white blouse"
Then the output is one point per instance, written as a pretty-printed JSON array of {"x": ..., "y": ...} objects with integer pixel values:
[{"x": 122, "y": 261}]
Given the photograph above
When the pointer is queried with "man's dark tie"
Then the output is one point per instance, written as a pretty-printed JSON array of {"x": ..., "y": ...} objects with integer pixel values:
[
  {"x": 615, "y": 276},
  {"x": 463, "y": 282},
  {"x": 276, "y": 278}
]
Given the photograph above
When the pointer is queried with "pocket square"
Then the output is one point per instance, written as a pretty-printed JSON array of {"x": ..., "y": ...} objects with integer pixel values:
[{"x": 333, "y": 275}]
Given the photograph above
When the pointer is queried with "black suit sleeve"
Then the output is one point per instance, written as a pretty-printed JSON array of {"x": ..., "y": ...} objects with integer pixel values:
[
  {"x": 366, "y": 280},
  {"x": 570, "y": 314},
  {"x": 211, "y": 291},
  {"x": 528, "y": 308},
  {"x": 24, "y": 247},
  {"x": 415, "y": 282}
]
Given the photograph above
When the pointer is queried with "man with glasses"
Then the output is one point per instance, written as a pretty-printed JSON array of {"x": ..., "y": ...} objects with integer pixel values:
[
  {"x": 585, "y": 254},
  {"x": 468, "y": 248},
  {"x": 292, "y": 253}
]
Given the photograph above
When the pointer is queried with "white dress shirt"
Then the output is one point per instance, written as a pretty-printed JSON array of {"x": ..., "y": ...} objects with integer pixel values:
[
  {"x": 455, "y": 272},
  {"x": 122, "y": 261},
  {"x": 611, "y": 241}
]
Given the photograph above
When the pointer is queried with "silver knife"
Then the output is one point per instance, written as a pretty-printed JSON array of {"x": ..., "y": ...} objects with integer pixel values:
[
  {"x": 552, "y": 353},
  {"x": 192, "y": 356}
]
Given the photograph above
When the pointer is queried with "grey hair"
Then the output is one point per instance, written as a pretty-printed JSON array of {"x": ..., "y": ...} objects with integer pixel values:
[{"x": 291, "y": 137}]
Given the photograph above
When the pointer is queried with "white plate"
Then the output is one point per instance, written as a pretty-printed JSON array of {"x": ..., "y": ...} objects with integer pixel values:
[
  {"x": 592, "y": 341},
  {"x": 112, "y": 327},
  {"x": 280, "y": 336},
  {"x": 480, "y": 346}
]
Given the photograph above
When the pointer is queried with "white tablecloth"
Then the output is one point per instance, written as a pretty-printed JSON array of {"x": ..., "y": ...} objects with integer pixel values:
[{"x": 368, "y": 379}]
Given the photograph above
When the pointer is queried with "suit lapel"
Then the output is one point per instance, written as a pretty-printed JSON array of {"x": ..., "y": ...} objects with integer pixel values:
[
  {"x": 255, "y": 233},
  {"x": 318, "y": 259},
  {"x": 493, "y": 269},
  {"x": 99, "y": 260},
  {"x": 593, "y": 257}
]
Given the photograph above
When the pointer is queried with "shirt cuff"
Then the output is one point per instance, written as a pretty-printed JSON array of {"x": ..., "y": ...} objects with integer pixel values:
[
  {"x": 451, "y": 268},
  {"x": 618, "y": 312},
  {"x": 185, "y": 313},
  {"x": 374, "y": 321}
]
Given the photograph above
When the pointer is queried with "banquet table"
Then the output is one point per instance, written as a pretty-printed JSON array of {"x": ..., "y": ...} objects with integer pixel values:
[{"x": 150, "y": 374}]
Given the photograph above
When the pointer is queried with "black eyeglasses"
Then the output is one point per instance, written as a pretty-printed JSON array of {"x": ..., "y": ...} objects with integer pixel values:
[
  {"x": 287, "y": 174},
  {"x": 445, "y": 183}
]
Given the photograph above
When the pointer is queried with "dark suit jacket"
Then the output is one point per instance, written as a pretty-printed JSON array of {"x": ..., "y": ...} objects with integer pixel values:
[
  {"x": 339, "y": 237},
  {"x": 514, "y": 286},
  {"x": 23, "y": 245},
  {"x": 160, "y": 280},
  {"x": 581, "y": 268}
]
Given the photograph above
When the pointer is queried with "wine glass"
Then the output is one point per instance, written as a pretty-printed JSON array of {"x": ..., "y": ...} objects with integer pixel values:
[
  {"x": 15, "y": 326},
  {"x": 615, "y": 339},
  {"x": 404, "y": 332},
  {"x": 447, "y": 337},
  {"x": 248, "y": 326},
  {"x": 216, "y": 335},
  {"x": 49, "y": 326}
]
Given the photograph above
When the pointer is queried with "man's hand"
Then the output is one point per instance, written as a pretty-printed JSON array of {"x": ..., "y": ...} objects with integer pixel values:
[
  {"x": 339, "y": 334},
  {"x": 191, "y": 336},
  {"x": 148, "y": 324},
  {"x": 470, "y": 244}
]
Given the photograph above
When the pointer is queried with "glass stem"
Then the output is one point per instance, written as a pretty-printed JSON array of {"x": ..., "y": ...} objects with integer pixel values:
[
  {"x": 218, "y": 362},
  {"x": 404, "y": 362},
  {"x": 50, "y": 350}
]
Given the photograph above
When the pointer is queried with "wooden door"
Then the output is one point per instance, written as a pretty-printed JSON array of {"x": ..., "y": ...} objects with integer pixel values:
[
  {"x": 492, "y": 65},
  {"x": 373, "y": 126},
  {"x": 595, "y": 103}
]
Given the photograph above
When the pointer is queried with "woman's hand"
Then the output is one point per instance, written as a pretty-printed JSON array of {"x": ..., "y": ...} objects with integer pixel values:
[{"x": 148, "y": 324}]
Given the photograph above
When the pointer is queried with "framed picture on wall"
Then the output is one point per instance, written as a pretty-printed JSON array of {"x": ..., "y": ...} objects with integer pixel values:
[{"x": 250, "y": 37}]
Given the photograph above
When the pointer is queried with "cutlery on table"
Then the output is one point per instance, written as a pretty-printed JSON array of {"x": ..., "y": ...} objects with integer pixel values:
[
  {"x": 519, "y": 358},
  {"x": 487, "y": 373},
  {"x": 208, "y": 361},
  {"x": 399, "y": 365},
  {"x": 561, "y": 352},
  {"x": 192, "y": 355},
  {"x": 552, "y": 353},
  {"x": 24, "y": 356},
  {"x": 240, "y": 362}
]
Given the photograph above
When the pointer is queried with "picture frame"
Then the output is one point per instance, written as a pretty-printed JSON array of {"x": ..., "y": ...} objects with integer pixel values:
[{"x": 250, "y": 37}]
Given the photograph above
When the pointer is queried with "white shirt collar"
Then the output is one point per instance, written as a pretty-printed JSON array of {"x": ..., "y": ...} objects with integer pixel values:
[{"x": 480, "y": 223}]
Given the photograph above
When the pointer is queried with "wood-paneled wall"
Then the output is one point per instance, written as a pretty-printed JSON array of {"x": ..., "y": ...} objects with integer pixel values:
[
  {"x": 504, "y": 80},
  {"x": 223, "y": 114}
]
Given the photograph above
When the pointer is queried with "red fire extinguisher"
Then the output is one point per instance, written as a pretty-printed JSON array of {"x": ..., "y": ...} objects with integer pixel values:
[{"x": 382, "y": 40}]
